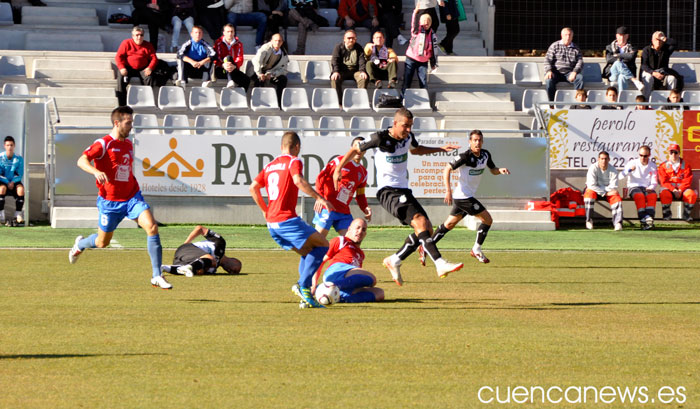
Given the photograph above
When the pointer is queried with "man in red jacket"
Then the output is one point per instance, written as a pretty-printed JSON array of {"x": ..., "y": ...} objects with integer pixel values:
[
  {"x": 135, "y": 58},
  {"x": 676, "y": 178},
  {"x": 229, "y": 58}
]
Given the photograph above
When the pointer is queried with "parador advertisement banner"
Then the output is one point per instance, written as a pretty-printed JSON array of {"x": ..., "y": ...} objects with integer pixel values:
[{"x": 576, "y": 136}]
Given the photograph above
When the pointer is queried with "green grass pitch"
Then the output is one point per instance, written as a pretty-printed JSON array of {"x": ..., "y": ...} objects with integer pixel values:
[{"x": 567, "y": 309}]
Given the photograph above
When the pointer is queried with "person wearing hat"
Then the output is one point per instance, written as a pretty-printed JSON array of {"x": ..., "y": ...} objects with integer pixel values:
[
  {"x": 563, "y": 63},
  {"x": 620, "y": 56},
  {"x": 655, "y": 70},
  {"x": 676, "y": 178}
]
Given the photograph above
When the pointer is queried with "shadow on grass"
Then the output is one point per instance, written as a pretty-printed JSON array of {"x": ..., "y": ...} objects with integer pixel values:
[
  {"x": 588, "y": 304},
  {"x": 58, "y": 356}
]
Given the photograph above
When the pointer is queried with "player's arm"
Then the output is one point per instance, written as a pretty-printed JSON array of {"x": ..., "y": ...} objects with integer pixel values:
[
  {"x": 305, "y": 187},
  {"x": 337, "y": 172},
  {"x": 426, "y": 150},
  {"x": 362, "y": 203},
  {"x": 257, "y": 196},
  {"x": 499, "y": 171},
  {"x": 447, "y": 182},
  {"x": 197, "y": 231},
  {"x": 85, "y": 165}
]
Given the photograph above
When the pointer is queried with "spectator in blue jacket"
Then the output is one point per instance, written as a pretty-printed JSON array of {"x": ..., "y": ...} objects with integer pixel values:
[{"x": 194, "y": 59}]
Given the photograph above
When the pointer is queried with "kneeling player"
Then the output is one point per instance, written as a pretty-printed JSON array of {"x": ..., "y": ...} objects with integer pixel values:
[
  {"x": 344, "y": 269},
  {"x": 202, "y": 257},
  {"x": 471, "y": 165}
]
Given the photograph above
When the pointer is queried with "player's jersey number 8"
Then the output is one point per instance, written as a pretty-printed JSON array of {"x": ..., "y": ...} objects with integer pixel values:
[{"x": 273, "y": 190}]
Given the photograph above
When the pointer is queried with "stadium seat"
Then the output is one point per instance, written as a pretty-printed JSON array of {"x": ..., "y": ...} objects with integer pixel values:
[
  {"x": 270, "y": 121},
  {"x": 318, "y": 72},
  {"x": 179, "y": 120},
  {"x": 387, "y": 122},
  {"x": 692, "y": 98},
  {"x": 140, "y": 96},
  {"x": 264, "y": 99},
  {"x": 332, "y": 16},
  {"x": 294, "y": 73},
  {"x": 300, "y": 122},
  {"x": 592, "y": 73},
  {"x": 249, "y": 70},
  {"x": 12, "y": 66},
  {"x": 532, "y": 96},
  {"x": 564, "y": 95},
  {"x": 325, "y": 100},
  {"x": 375, "y": 99},
  {"x": 113, "y": 9},
  {"x": 658, "y": 96},
  {"x": 332, "y": 122},
  {"x": 425, "y": 123},
  {"x": 526, "y": 73},
  {"x": 627, "y": 95},
  {"x": 171, "y": 98},
  {"x": 238, "y": 121},
  {"x": 15, "y": 89},
  {"x": 6, "y": 14},
  {"x": 687, "y": 71},
  {"x": 417, "y": 100},
  {"x": 233, "y": 99},
  {"x": 202, "y": 98},
  {"x": 295, "y": 100},
  {"x": 356, "y": 100},
  {"x": 145, "y": 120},
  {"x": 362, "y": 122},
  {"x": 207, "y": 121},
  {"x": 597, "y": 95}
]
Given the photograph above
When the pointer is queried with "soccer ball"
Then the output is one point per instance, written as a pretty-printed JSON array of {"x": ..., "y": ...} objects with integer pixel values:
[{"x": 327, "y": 293}]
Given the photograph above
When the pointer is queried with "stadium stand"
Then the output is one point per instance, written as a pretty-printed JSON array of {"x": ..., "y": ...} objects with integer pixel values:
[
  {"x": 171, "y": 98},
  {"x": 531, "y": 97},
  {"x": 12, "y": 66},
  {"x": 325, "y": 100},
  {"x": 295, "y": 100},
  {"x": 331, "y": 122},
  {"x": 140, "y": 96},
  {"x": 145, "y": 120},
  {"x": 596, "y": 95},
  {"x": 318, "y": 73},
  {"x": 356, "y": 100},
  {"x": 6, "y": 14},
  {"x": 176, "y": 120},
  {"x": 264, "y": 99},
  {"x": 375, "y": 99},
  {"x": 270, "y": 121},
  {"x": 297, "y": 122},
  {"x": 426, "y": 122},
  {"x": 628, "y": 96},
  {"x": 417, "y": 100},
  {"x": 659, "y": 96},
  {"x": 592, "y": 73},
  {"x": 233, "y": 100},
  {"x": 15, "y": 89},
  {"x": 238, "y": 121},
  {"x": 362, "y": 122},
  {"x": 202, "y": 98},
  {"x": 527, "y": 73},
  {"x": 564, "y": 95},
  {"x": 207, "y": 121},
  {"x": 687, "y": 71},
  {"x": 692, "y": 97}
]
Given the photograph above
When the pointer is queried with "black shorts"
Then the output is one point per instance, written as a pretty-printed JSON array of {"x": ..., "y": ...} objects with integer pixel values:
[
  {"x": 187, "y": 253},
  {"x": 462, "y": 207},
  {"x": 400, "y": 203},
  {"x": 12, "y": 191}
]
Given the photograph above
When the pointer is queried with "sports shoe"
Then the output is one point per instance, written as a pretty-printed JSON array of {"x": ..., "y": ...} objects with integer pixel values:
[
  {"x": 20, "y": 217},
  {"x": 159, "y": 281},
  {"x": 305, "y": 294},
  {"x": 206, "y": 84},
  {"x": 637, "y": 83},
  {"x": 618, "y": 226},
  {"x": 230, "y": 84},
  {"x": 589, "y": 225},
  {"x": 479, "y": 256},
  {"x": 165, "y": 268},
  {"x": 647, "y": 223},
  {"x": 421, "y": 255},
  {"x": 75, "y": 251},
  {"x": 185, "y": 270},
  {"x": 444, "y": 267},
  {"x": 394, "y": 269}
]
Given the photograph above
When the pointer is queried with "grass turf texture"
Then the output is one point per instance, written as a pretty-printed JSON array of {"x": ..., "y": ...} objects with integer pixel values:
[{"x": 95, "y": 334}]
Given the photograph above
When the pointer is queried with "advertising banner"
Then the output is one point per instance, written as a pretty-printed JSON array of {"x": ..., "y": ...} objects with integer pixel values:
[{"x": 690, "y": 148}]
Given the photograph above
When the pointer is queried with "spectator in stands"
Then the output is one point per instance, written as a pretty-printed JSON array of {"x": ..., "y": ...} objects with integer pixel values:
[
  {"x": 274, "y": 11},
  {"x": 348, "y": 62},
  {"x": 641, "y": 98},
  {"x": 304, "y": 14},
  {"x": 601, "y": 182},
  {"x": 656, "y": 71},
  {"x": 421, "y": 51},
  {"x": 136, "y": 58},
  {"x": 426, "y": 7},
  {"x": 241, "y": 13},
  {"x": 382, "y": 62},
  {"x": 449, "y": 14},
  {"x": 194, "y": 59},
  {"x": 358, "y": 13},
  {"x": 674, "y": 97},
  {"x": 270, "y": 65},
  {"x": 229, "y": 59},
  {"x": 620, "y": 56},
  {"x": 563, "y": 62},
  {"x": 611, "y": 96},
  {"x": 676, "y": 179},
  {"x": 182, "y": 13},
  {"x": 211, "y": 14},
  {"x": 580, "y": 96},
  {"x": 153, "y": 13},
  {"x": 641, "y": 184},
  {"x": 391, "y": 19}
]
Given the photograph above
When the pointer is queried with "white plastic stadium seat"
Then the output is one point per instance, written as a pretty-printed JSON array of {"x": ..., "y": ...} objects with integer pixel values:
[
  {"x": 202, "y": 98},
  {"x": 692, "y": 98},
  {"x": 564, "y": 95},
  {"x": 332, "y": 16},
  {"x": 15, "y": 89},
  {"x": 532, "y": 96},
  {"x": 687, "y": 71},
  {"x": 355, "y": 100},
  {"x": 592, "y": 73},
  {"x": 325, "y": 100},
  {"x": 270, "y": 121},
  {"x": 295, "y": 100},
  {"x": 171, "y": 98},
  {"x": 207, "y": 121},
  {"x": 12, "y": 66},
  {"x": 417, "y": 100},
  {"x": 425, "y": 123},
  {"x": 6, "y": 14},
  {"x": 238, "y": 121},
  {"x": 387, "y": 122},
  {"x": 299, "y": 122},
  {"x": 140, "y": 96},
  {"x": 659, "y": 96},
  {"x": 597, "y": 95},
  {"x": 176, "y": 120},
  {"x": 318, "y": 72},
  {"x": 362, "y": 122},
  {"x": 526, "y": 73},
  {"x": 264, "y": 99},
  {"x": 628, "y": 95},
  {"x": 332, "y": 122},
  {"x": 233, "y": 99},
  {"x": 383, "y": 91},
  {"x": 145, "y": 120},
  {"x": 294, "y": 73}
]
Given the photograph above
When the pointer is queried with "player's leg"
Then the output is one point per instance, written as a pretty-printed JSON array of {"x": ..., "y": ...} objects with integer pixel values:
[
  {"x": 19, "y": 202},
  {"x": 424, "y": 231},
  {"x": 140, "y": 211},
  {"x": 666, "y": 198},
  {"x": 486, "y": 221},
  {"x": 355, "y": 284},
  {"x": 3, "y": 192},
  {"x": 341, "y": 222},
  {"x": 322, "y": 222},
  {"x": 690, "y": 196},
  {"x": 110, "y": 214},
  {"x": 589, "y": 198},
  {"x": 198, "y": 266}
]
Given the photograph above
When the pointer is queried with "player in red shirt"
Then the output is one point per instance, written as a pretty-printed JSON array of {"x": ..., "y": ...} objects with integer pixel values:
[
  {"x": 353, "y": 179},
  {"x": 282, "y": 178},
  {"x": 345, "y": 259},
  {"x": 119, "y": 193}
]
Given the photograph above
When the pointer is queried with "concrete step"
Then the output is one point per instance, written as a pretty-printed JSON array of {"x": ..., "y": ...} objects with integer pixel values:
[
  {"x": 515, "y": 220},
  {"x": 63, "y": 42},
  {"x": 86, "y": 102},
  {"x": 509, "y": 124},
  {"x": 76, "y": 92},
  {"x": 75, "y": 73},
  {"x": 84, "y": 120},
  {"x": 81, "y": 217},
  {"x": 474, "y": 78},
  {"x": 29, "y": 11},
  {"x": 448, "y": 101},
  {"x": 61, "y": 20}
]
